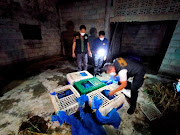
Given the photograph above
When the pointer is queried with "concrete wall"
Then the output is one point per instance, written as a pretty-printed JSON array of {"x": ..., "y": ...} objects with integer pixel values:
[
  {"x": 90, "y": 13},
  {"x": 13, "y": 48},
  {"x": 171, "y": 62},
  {"x": 145, "y": 10},
  {"x": 142, "y": 39},
  {"x": 153, "y": 10}
]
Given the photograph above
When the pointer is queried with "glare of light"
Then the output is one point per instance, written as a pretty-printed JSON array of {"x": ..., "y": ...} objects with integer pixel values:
[{"x": 101, "y": 52}]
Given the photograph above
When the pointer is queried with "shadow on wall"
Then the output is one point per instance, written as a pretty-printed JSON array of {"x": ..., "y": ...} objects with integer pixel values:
[
  {"x": 10, "y": 50},
  {"x": 67, "y": 39},
  {"x": 93, "y": 35}
]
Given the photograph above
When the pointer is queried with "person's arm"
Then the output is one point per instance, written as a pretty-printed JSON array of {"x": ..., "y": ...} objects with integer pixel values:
[
  {"x": 122, "y": 86},
  {"x": 73, "y": 48},
  {"x": 123, "y": 80},
  {"x": 89, "y": 51}
]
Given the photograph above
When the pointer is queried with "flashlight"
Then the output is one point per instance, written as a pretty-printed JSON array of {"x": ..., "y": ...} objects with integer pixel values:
[{"x": 101, "y": 52}]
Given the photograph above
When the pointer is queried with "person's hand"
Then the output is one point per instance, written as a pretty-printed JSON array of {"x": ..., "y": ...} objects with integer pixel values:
[
  {"x": 111, "y": 92},
  {"x": 73, "y": 55},
  {"x": 90, "y": 54},
  {"x": 104, "y": 58}
]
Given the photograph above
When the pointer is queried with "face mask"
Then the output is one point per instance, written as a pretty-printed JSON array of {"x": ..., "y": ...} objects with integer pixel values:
[
  {"x": 82, "y": 34},
  {"x": 112, "y": 73},
  {"x": 101, "y": 39}
]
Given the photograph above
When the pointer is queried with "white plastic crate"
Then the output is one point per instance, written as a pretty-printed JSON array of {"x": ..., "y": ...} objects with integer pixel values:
[
  {"x": 77, "y": 76},
  {"x": 107, "y": 104},
  {"x": 68, "y": 104}
]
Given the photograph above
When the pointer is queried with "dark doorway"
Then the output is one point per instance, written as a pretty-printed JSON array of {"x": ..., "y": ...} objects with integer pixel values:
[{"x": 144, "y": 41}]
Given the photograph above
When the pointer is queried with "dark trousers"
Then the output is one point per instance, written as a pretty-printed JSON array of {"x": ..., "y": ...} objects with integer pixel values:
[
  {"x": 98, "y": 61},
  {"x": 82, "y": 58},
  {"x": 134, "y": 86}
]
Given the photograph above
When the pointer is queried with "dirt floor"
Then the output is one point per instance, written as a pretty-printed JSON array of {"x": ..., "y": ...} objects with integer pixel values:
[{"x": 30, "y": 96}]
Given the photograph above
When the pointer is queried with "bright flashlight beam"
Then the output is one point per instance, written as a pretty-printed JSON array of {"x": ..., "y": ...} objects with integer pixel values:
[{"x": 101, "y": 52}]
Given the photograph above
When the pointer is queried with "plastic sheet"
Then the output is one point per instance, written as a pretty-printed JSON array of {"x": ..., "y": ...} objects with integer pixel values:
[
  {"x": 53, "y": 93},
  {"x": 83, "y": 74},
  {"x": 89, "y": 124},
  {"x": 112, "y": 80},
  {"x": 82, "y": 99},
  {"x": 84, "y": 126},
  {"x": 96, "y": 103},
  {"x": 64, "y": 94},
  {"x": 61, "y": 117},
  {"x": 112, "y": 118},
  {"x": 87, "y": 85}
]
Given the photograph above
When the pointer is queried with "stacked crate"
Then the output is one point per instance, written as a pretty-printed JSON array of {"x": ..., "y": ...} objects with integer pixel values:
[
  {"x": 88, "y": 85},
  {"x": 78, "y": 76}
]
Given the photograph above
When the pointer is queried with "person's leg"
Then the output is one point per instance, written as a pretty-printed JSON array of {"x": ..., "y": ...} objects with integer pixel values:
[
  {"x": 100, "y": 62},
  {"x": 79, "y": 61},
  {"x": 136, "y": 84},
  {"x": 85, "y": 61}
]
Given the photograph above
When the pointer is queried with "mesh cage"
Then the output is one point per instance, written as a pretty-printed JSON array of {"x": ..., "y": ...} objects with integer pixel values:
[
  {"x": 107, "y": 105},
  {"x": 77, "y": 76},
  {"x": 68, "y": 103},
  {"x": 151, "y": 111}
]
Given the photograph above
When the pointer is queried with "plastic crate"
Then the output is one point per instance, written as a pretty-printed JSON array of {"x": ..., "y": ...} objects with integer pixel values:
[
  {"x": 64, "y": 99},
  {"x": 77, "y": 76},
  {"x": 88, "y": 85},
  {"x": 108, "y": 104}
]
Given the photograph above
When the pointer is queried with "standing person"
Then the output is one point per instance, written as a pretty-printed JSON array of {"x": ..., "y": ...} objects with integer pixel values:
[
  {"x": 80, "y": 48},
  {"x": 67, "y": 40},
  {"x": 99, "y": 49},
  {"x": 126, "y": 68}
]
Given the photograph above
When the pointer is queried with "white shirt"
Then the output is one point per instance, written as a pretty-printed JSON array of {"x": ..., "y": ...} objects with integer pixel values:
[{"x": 122, "y": 75}]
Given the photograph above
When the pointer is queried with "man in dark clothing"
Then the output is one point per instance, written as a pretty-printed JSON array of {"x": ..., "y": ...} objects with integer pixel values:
[
  {"x": 80, "y": 48},
  {"x": 126, "y": 68},
  {"x": 93, "y": 35},
  {"x": 99, "y": 49}
]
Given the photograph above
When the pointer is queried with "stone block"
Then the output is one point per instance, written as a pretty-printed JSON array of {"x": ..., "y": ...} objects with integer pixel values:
[
  {"x": 175, "y": 43},
  {"x": 166, "y": 61},
  {"x": 101, "y": 16},
  {"x": 177, "y": 51},
  {"x": 176, "y": 56},
  {"x": 176, "y": 36},
  {"x": 171, "y": 49},
  {"x": 92, "y": 12},
  {"x": 177, "y": 29},
  {"x": 175, "y": 62},
  {"x": 164, "y": 66}
]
